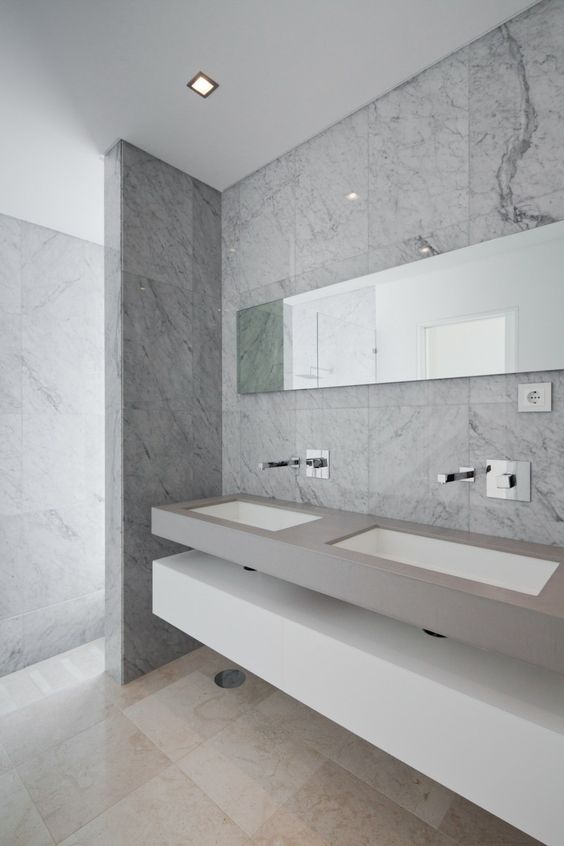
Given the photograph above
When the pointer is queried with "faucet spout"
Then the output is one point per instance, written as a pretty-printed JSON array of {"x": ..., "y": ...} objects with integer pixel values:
[
  {"x": 293, "y": 462},
  {"x": 465, "y": 474}
]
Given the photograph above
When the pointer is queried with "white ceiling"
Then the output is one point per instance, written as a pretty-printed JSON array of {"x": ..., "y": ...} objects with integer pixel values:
[{"x": 79, "y": 74}]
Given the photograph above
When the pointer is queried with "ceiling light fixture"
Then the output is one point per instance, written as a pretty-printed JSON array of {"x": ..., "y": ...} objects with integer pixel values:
[
  {"x": 352, "y": 196},
  {"x": 202, "y": 84}
]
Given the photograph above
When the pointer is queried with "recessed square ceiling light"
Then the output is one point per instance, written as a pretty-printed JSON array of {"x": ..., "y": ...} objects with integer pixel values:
[{"x": 202, "y": 84}]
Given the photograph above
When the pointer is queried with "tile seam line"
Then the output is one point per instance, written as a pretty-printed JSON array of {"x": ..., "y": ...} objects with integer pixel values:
[
  {"x": 45, "y": 608},
  {"x": 113, "y": 804}
]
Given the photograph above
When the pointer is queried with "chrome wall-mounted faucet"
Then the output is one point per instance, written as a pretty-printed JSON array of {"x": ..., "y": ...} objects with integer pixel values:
[
  {"x": 465, "y": 474},
  {"x": 293, "y": 462}
]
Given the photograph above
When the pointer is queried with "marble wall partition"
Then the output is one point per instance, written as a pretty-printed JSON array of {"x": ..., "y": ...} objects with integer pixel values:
[
  {"x": 163, "y": 384},
  {"x": 51, "y": 443},
  {"x": 470, "y": 149}
]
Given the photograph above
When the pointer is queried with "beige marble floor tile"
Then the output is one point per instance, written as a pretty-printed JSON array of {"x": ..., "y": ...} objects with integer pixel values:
[
  {"x": 18, "y": 690},
  {"x": 285, "y": 829},
  {"x": 238, "y": 795},
  {"x": 260, "y": 749},
  {"x": 20, "y": 823},
  {"x": 169, "y": 810},
  {"x": 345, "y": 811},
  {"x": 470, "y": 825},
  {"x": 305, "y": 726},
  {"x": 150, "y": 683},
  {"x": 81, "y": 777},
  {"x": 194, "y": 708},
  {"x": 55, "y": 718},
  {"x": 414, "y": 791}
]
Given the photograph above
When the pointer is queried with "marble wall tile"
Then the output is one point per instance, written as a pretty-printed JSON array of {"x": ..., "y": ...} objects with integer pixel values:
[
  {"x": 206, "y": 451},
  {"x": 451, "y": 237},
  {"x": 206, "y": 351},
  {"x": 396, "y": 449},
  {"x": 230, "y": 229},
  {"x": 10, "y": 266},
  {"x": 61, "y": 287},
  {"x": 517, "y": 119},
  {"x": 11, "y": 638},
  {"x": 446, "y": 449},
  {"x": 466, "y": 151},
  {"x": 330, "y": 227},
  {"x": 206, "y": 217},
  {"x": 344, "y": 432},
  {"x": 50, "y": 557},
  {"x": 231, "y": 463},
  {"x": 419, "y": 154},
  {"x": 268, "y": 437},
  {"x": 157, "y": 343},
  {"x": 10, "y": 362},
  {"x": 497, "y": 430},
  {"x": 113, "y": 413},
  {"x": 267, "y": 224},
  {"x": 53, "y": 449},
  {"x": 10, "y": 464},
  {"x": 51, "y": 458},
  {"x": 206, "y": 322},
  {"x": 229, "y": 358},
  {"x": 163, "y": 413},
  {"x": 156, "y": 218},
  {"x": 56, "y": 628}
]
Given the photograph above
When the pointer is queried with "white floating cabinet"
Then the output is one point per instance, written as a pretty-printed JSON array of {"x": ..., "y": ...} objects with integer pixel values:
[{"x": 488, "y": 727}]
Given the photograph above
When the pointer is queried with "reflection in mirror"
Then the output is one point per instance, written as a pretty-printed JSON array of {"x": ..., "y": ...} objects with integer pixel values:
[{"x": 496, "y": 307}]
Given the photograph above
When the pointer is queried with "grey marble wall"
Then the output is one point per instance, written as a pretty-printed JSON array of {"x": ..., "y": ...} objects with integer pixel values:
[
  {"x": 163, "y": 383},
  {"x": 51, "y": 443},
  {"x": 469, "y": 150}
]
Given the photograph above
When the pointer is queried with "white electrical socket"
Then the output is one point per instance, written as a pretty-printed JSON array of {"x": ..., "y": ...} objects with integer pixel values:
[{"x": 535, "y": 396}]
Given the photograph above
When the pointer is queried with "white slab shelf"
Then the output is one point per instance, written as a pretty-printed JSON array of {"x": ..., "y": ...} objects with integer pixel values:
[{"x": 488, "y": 727}]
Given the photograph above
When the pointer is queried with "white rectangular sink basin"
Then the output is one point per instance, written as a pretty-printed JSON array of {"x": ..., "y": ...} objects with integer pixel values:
[
  {"x": 252, "y": 514},
  {"x": 492, "y": 567}
]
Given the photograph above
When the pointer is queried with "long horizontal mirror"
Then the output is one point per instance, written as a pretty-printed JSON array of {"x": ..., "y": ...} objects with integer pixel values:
[{"x": 496, "y": 307}]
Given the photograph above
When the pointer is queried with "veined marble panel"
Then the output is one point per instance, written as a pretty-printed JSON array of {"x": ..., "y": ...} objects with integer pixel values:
[
  {"x": 344, "y": 432},
  {"x": 230, "y": 246},
  {"x": 62, "y": 323},
  {"x": 10, "y": 266},
  {"x": 56, "y": 628},
  {"x": 268, "y": 433},
  {"x": 267, "y": 224},
  {"x": 419, "y": 154},
  {"x": 517, "y": 120},
  {"x": 468, "y": 150},
  {"x": 50, "y": 557},
  {"x": 163, "y": 414},
  {"x": 231, "y": 456},
  {"x": 51, "y": 458},
  {"x": 10, "y": 363},
  {"x": 10, "y": 464},
  {"x": 157, "y": 343},
  {"x": 330, "y": 227},
  {"x": 11, "y": 638},
  {"x": 452, "y": 237},
  {"x": 156, "y": 209}
]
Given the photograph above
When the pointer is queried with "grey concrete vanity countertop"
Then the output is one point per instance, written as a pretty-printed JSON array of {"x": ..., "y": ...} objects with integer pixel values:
[{"x": 494, "y": 618}]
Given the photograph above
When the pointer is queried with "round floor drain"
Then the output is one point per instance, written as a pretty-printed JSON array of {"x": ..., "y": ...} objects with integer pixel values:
[
  {"x": 433, "y": 634},
  {"x": 230, "y": 678}
]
